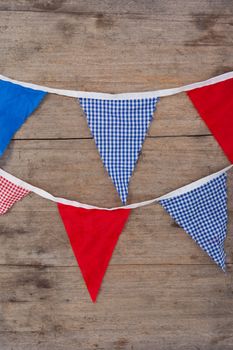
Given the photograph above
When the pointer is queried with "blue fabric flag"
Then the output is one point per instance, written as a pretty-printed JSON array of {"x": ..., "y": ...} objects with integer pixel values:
[
  {"x": 16, "y": 105},
  {"x": 119, "y": 128},
  {"x": 202, "y": 213}
]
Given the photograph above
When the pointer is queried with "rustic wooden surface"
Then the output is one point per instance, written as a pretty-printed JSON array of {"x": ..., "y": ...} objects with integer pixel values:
[{"x": 161, "y": 291}]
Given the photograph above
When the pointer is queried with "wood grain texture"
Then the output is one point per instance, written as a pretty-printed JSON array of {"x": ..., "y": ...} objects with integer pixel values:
[
  {"x": 149, "y": 7},
  {"x": 108, "y": 54},
  {"x": 161, "y": 291}
]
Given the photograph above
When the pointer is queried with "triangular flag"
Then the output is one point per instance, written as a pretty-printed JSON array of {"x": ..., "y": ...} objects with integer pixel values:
[
  {"x": 16, "y": 105},
  {"x": 215, "y": 105},
  {"x": 9, "y": 194},
  {"x": 119, "y": 128},
  {"x": 202, "y": 213},
  {"x": 93, "y": 235}
]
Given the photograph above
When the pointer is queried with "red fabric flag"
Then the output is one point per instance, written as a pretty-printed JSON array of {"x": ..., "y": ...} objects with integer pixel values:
[
  {"x": 215, "y": 105},
  {"x": 93, "y": 235}
]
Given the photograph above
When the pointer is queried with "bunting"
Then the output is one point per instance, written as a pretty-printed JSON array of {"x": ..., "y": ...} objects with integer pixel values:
[
  {"x": 200, "y": 208},
  {"x": 119, "y": 128},
  {"x": 16, "y": 105},
  {"x": 93, "y": 236},
  {"x": 119, "y": 123},
  {"x": 202, "y": 213}
]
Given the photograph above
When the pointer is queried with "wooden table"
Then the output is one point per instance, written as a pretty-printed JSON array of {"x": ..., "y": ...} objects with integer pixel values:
[{"x": 161, "y": 292}]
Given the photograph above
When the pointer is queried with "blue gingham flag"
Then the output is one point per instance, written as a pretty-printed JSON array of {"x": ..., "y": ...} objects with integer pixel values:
[
  {"x": 202, "y": 213},
  {"x": 119, "y": 128}
]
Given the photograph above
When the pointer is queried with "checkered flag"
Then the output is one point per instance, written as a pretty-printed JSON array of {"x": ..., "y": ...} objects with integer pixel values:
[
  {"x": 9, "y": 194},
  {"x": 119, "y": 128},
  {"x": 202, "y": 213}
]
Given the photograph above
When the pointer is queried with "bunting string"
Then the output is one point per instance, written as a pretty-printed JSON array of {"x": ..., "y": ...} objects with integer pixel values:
[
  {"x": 40, "y": 192},
  {"x": 122, "y": 96}
]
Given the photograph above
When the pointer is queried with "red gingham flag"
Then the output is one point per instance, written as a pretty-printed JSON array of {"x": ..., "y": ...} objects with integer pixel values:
[{"x": 9, "y": 194}]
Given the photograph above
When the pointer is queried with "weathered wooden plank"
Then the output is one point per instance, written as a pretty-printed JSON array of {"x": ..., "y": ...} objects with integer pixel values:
[
  {"x": 167, "y": 8},
  {"x": 139, "y": 307},
  {"x": 32, "y": 232},
  {"x": 108, "y": 54},
  {"x": 33, "y": 284},
  {"x": 210, "y": 334}
]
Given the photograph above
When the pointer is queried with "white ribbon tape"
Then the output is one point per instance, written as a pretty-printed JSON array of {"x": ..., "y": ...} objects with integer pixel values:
[
  {"x": 124, "y": 96},
  {"x": 50, "y": 197}
]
